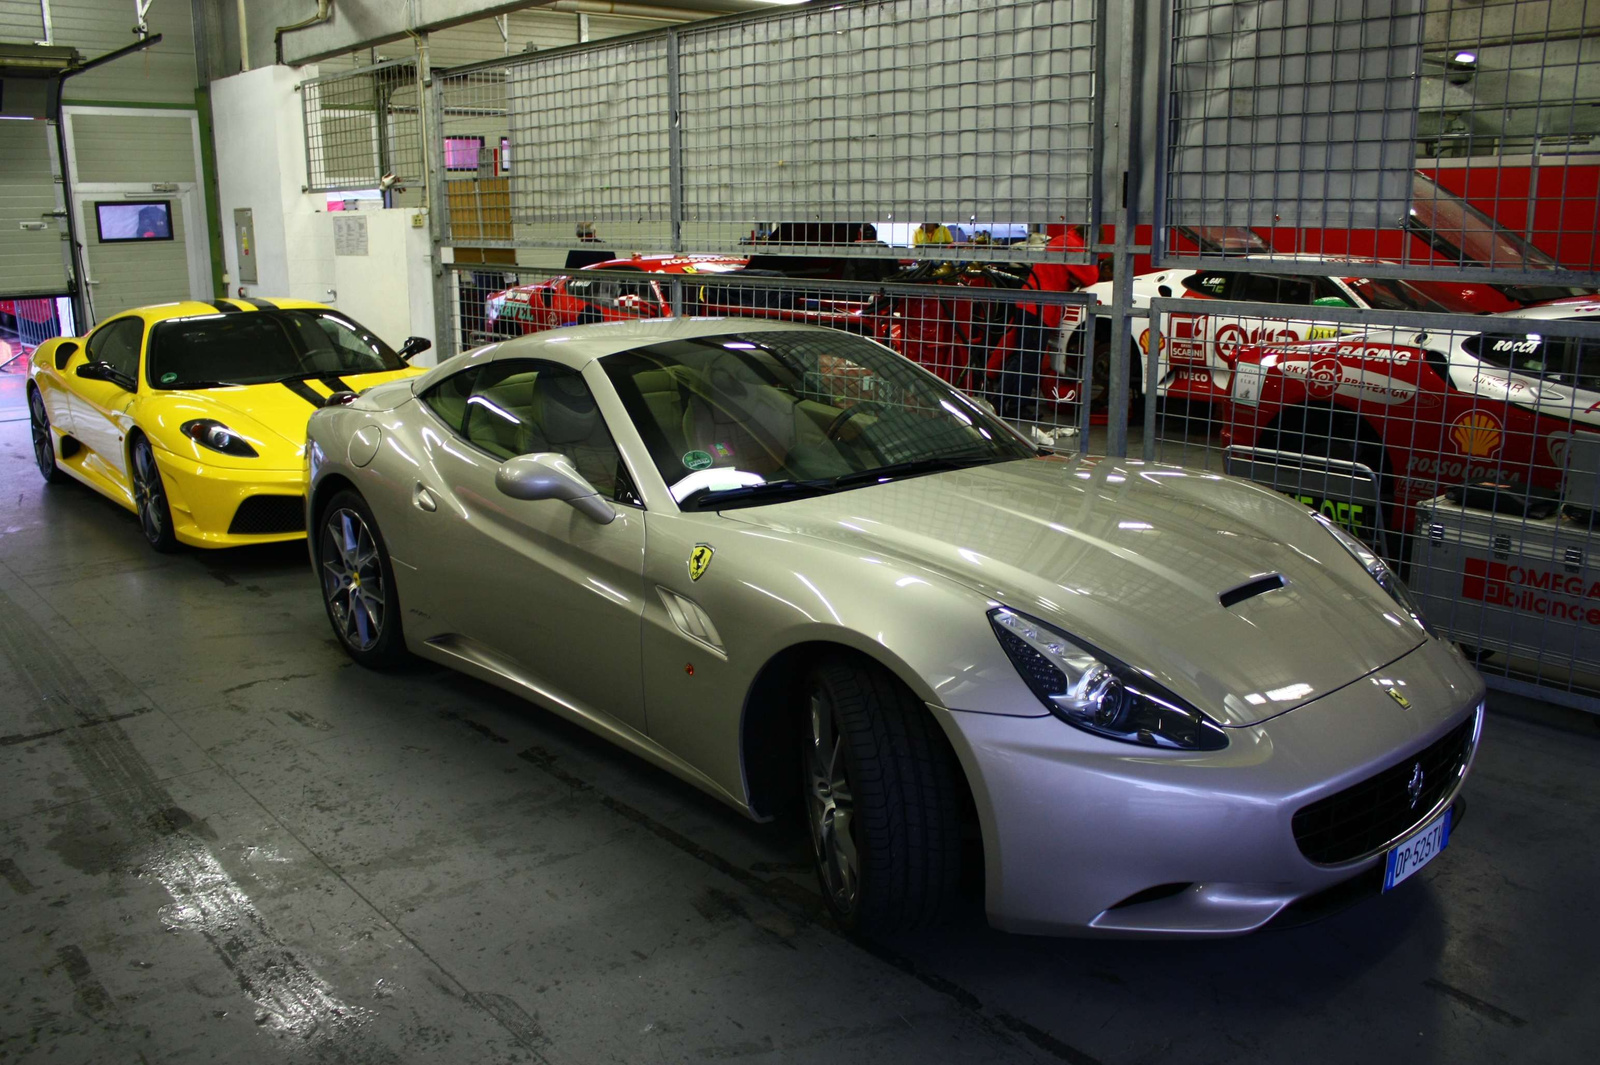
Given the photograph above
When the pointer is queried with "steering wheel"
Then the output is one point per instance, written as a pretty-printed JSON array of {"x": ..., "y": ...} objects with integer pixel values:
[{"x": 832, "y": 431}]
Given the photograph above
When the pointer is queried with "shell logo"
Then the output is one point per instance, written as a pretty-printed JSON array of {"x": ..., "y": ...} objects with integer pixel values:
[{"x": 1476, "y": 433}]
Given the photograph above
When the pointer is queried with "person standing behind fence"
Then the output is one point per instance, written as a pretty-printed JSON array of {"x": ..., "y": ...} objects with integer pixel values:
[
  {"x": 1039, "y": 324},
  {"x": 932, "y": 233}
]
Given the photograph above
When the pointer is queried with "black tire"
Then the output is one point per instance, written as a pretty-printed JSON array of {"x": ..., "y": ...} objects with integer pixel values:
[
  {"x": 352, "y": 560},
  {"x": 44, "y": 441},
  {"x": 150, "y": 497},
  {"x": 873, "y": 758}
]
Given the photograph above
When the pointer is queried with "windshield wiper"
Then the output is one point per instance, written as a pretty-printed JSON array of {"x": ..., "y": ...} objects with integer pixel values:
[
  {"x": 703, "y": 498},
  {"x": 932, "y": 464},
  {"x": 203, "y": 384}
]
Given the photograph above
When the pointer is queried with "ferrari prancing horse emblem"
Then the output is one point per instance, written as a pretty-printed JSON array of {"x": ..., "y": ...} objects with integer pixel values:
[
  {"x": 699, "y": 561},
  {"x": 1394, "y": 693}
]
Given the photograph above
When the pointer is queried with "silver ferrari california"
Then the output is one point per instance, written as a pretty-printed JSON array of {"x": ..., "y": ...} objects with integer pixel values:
[{"x": 791, "y": 567}]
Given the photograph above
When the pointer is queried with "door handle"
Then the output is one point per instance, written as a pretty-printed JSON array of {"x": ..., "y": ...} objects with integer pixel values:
[{"x": 424, "y": 499}]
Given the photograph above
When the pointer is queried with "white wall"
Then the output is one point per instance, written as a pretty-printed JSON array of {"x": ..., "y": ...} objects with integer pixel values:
[{"x": 261, "y": 165}]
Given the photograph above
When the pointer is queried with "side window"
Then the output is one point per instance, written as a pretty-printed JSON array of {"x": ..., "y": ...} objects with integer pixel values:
[
  {"x": 117, "y": 343},
  {"x": 448, "y": 398},
  {"x": 520, "y": 406},
  {"x": 1213, "y": 283},
  {"x": 1264, "y": 288}
]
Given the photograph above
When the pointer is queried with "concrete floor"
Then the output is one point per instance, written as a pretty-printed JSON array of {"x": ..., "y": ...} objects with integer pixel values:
[{"x": 220, "y": 841}]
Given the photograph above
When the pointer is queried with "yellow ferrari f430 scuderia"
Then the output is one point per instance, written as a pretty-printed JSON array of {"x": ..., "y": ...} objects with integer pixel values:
[{"x": 193, "y": 414}]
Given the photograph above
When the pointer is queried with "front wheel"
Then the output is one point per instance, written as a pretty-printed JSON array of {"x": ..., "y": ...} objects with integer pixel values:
[
  {"x": 882, "y": 793},
  {"x": 358, "y": 583},
  {"x": 150, "y": 499},
  {"x": 44, "y": 444}
]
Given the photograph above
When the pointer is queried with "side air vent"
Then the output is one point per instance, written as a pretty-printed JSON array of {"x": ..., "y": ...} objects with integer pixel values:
[
  {"x": 691, "y": 619},
  {"x": 1251, "y": 588}
]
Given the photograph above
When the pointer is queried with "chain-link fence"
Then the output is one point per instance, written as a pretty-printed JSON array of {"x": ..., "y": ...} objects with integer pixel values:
[
  {"x": 944, "y": 128},
  {"x": 362, "y": 125},
  {"x": 1364, "y": 299},
  {"x": 1368, "y": 278},
  {"x": 1030, "y": 354}
]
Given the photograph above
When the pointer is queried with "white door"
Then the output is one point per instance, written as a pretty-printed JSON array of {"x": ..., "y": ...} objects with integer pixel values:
[{"x": 141, "y": 247}]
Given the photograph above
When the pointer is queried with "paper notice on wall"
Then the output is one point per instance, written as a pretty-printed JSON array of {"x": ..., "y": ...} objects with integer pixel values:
[
  {"x": 349, "y": 235},
  {"x": 1297, "y": 113}
]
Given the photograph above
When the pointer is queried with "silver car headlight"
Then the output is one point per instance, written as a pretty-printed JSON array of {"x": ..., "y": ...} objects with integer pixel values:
[
  {"x": 1387, "y": 578},
  {"x": 1086, "y": 687}
]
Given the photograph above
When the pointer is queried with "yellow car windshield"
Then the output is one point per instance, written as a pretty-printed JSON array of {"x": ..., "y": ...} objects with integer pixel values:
[{"x": 261, "y": 347}]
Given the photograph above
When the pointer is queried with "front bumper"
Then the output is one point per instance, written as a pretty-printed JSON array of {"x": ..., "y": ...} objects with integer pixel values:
[
  {"x": 1072, "y": 830},
  {"x": 204, "y": 499}
]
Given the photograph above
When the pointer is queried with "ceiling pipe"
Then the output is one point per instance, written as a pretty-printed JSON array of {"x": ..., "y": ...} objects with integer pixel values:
[
  {"x": 324, "y": 12},
  {"x": 606, "y": 7}
]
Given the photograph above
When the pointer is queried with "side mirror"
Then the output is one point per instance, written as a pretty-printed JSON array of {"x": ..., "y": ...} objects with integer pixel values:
[
  {"x": 547, "y": 475},
  {"x": 413, "y": 347},
  {"x": 95, "y": 371}
]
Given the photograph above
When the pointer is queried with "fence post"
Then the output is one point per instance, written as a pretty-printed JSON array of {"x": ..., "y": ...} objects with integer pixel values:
[
  {"x": 431, "y": 104},
  {"x": 674, "y": 146},
  {"x": 1127, "y": 215}
]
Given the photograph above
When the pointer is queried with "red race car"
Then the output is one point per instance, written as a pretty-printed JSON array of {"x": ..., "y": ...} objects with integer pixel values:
[
  {"x": 614, "y": 291},
  {"x": 1413, "y": 413}
]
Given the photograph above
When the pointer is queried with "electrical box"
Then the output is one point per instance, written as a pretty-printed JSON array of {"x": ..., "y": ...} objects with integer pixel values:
[{"x": 244, "y": 244}]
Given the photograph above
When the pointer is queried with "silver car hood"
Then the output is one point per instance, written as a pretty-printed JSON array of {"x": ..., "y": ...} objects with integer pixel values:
[{"x": 1132, "y": 558}]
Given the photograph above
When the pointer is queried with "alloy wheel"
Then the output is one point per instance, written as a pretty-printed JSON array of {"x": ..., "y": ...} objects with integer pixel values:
[
  {"x": 830, "y": 806},
  {"x": 352, "y": 579},
  {"x": 148, "y": 494},
  {"x": 44, "y": 449}
]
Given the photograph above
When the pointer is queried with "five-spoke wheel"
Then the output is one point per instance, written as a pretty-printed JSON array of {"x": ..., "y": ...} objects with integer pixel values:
[
  {"x": 150, "y": 498},
  {"x": 44, "y": 445},
  {"x": 358, "y": 583},
  {"x": 883, "y": 799}
]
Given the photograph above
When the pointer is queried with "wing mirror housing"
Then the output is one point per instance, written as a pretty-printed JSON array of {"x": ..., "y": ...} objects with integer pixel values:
[
  {"x": 547, "y": 475},
  {"x": 96, "y": 371},
  {"x": 413, "y": 347}
]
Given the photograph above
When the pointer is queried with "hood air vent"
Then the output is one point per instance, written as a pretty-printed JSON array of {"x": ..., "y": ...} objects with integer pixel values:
[{"x": 1251, "y": 588}]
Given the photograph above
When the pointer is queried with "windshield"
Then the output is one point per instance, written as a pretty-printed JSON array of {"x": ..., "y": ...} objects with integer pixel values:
[
  {"x": 741, "y": 419},
  {"x": 1224, "y": 240},
  {"x": 1463, "y": 234},
  {"x": 1387, "y": 294},
  {"x": 260, "y": 347}
]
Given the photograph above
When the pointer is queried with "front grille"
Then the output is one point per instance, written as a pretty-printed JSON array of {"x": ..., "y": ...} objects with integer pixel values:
[
  {"x": 261, "y": 515},
  {"x": 1362, "y": 818}
]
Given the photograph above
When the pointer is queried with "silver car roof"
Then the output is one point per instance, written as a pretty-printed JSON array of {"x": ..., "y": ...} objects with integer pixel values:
[{"x": 580, "y": 345}]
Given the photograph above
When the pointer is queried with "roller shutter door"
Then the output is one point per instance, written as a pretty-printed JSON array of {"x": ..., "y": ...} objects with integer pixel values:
[{"x": 31, "y": 259}]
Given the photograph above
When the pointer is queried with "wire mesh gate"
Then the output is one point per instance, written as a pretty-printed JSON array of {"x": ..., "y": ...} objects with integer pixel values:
[{"x": 1311, "y": 313}]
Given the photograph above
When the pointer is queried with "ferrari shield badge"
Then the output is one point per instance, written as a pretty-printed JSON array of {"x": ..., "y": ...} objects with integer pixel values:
[
  {"x": 699, "y": 561},
  {"x": 1394, "y": 693}
]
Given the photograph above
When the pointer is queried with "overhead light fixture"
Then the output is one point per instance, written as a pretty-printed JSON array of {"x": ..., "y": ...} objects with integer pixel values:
[{"x": 1459, "y": 68}]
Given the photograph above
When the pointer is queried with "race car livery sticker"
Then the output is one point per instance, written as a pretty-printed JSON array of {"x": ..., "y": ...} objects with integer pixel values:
[
  {"x": 1477, "y": 433},
  {"x": 700, "y": 560},
  {"x": 1327, "y": 377}
]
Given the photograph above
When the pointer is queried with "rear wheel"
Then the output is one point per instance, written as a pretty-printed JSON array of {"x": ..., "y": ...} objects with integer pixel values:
[
  {"x": 150, "y": 498},
  {"x": 44, "y": 443},
  {"x": 883, "y": 801},
  {"x": 358, "y": 583}
]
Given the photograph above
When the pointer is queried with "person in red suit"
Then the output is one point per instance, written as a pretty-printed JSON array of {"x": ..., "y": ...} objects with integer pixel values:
[{"x": 1039, "y": 324}]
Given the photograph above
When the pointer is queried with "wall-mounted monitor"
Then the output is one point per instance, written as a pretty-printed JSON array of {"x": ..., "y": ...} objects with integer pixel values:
[
  {"x": 125, "y": 221},
  {"x": 461, "y": 153}
]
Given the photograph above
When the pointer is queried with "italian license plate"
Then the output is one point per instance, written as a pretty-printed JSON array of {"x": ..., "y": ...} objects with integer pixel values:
[{"x": 1417, "y": 851}]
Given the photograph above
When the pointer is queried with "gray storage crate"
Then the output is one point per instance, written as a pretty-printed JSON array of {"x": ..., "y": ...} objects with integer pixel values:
[{"x": 1497, "y": 582}]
